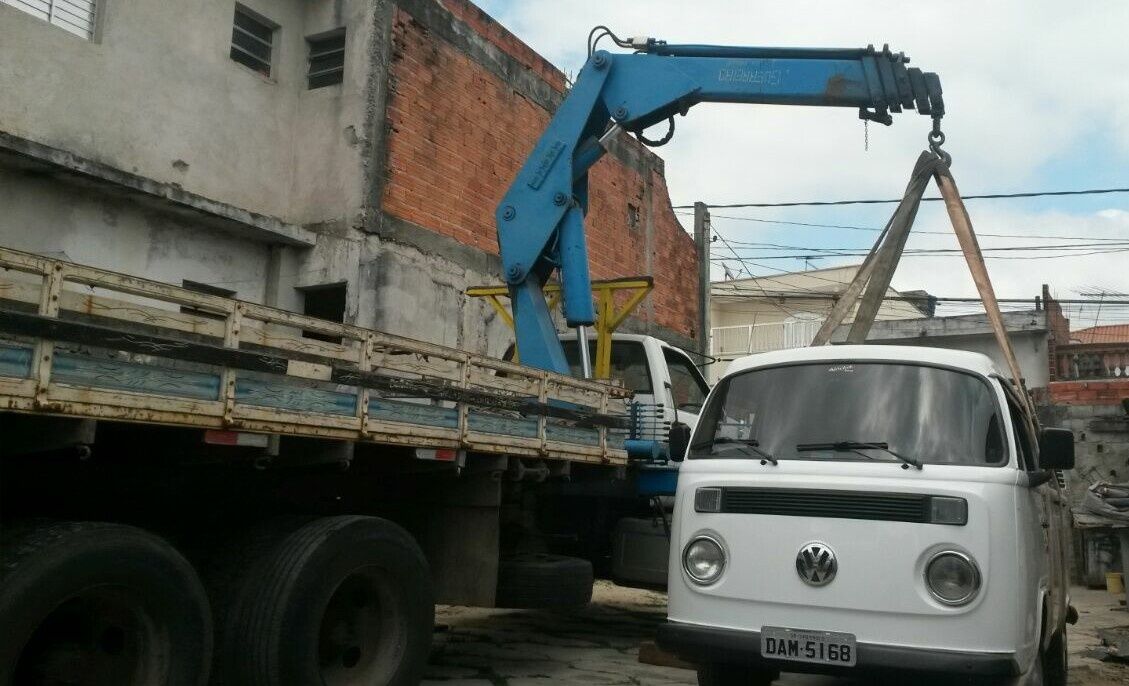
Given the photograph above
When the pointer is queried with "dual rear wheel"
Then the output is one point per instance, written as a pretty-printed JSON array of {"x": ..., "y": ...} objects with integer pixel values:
[{"x": 341, "y": 601}]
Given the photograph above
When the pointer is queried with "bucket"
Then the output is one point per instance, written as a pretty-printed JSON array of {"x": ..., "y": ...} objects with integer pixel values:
[{"x": 1115, "y": 583}]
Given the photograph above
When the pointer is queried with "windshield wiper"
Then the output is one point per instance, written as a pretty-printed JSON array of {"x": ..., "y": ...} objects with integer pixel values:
[
  {"x": 856, "y": 446},
  {"x": 750, "y": 443}
]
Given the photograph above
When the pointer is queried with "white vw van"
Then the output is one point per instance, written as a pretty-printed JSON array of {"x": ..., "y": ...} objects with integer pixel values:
[{"x": 866, "y": 510}]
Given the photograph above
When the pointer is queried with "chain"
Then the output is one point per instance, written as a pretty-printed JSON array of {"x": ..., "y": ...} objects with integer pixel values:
[{"x": 866, "y": 135}]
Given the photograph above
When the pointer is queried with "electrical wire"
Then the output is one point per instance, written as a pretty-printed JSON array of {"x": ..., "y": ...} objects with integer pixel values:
[
  {"x": 935, "y": 253},
  {"x": 987, "y": 196},
  {"x": 1123, "y": 243},
  {"x": 916, "y": 233}
]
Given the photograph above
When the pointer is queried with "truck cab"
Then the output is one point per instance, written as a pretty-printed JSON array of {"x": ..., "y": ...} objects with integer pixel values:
[
  {"x": 869, "y": 509},
  {"x": 666, "y": 382}
]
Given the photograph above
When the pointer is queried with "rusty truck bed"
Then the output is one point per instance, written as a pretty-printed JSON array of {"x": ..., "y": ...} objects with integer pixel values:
[{"x": 83, "y": 342}]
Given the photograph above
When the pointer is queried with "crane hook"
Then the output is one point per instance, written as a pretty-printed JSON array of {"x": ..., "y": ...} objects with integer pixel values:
[{"x": 936, "y": 140}]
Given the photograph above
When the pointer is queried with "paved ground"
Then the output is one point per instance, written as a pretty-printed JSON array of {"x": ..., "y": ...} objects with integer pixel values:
[{"x": 600, "y": 644}]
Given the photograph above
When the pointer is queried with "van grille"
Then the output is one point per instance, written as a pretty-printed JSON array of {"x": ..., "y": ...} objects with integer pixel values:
[{"x": 793, "y": 502}]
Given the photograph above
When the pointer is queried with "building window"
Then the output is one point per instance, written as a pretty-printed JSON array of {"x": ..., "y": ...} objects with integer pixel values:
[
  {"x": 252, "y": 40},
  {"x": 325, "y": 302},
  {"x": 327, "y": 59},
  {"x": 74, "y": 16},
  {"x": 210, "y": 290}
]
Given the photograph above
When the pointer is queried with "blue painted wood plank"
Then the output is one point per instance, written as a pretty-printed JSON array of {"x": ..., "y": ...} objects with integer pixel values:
[
  {"x": 413, "y": 413},
  {"x": 82, "y": 370},
  {"x": 15, "y": 361},
  {"x": 290, "y": 396},
  {"x": 572, "y": 434},
  {"x": 506, "y": 426}
]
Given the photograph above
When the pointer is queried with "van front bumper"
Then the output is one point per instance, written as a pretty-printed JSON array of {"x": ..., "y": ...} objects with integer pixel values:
[{"x": 704, "y": 645}]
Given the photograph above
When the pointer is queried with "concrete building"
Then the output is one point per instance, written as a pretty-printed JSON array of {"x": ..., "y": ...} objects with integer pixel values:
[
  {"x": 785, "y": 311},
  {"x": 1027, "y": 330},
  {"x": 337, "y": 157}
]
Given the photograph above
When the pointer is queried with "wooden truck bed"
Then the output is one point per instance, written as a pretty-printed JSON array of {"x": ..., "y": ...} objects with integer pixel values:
[{"x": 82, "y": 342}]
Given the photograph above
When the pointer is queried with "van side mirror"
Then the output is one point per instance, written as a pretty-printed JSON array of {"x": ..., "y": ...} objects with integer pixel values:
[
  {"x": 679, "y": 441},
  {"x": 1056, "y": 449}
]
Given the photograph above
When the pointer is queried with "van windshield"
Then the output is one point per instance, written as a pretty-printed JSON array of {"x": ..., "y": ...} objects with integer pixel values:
[{"x": 829, "y": 411}]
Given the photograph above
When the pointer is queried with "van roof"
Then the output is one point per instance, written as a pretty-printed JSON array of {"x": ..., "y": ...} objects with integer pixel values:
[{"x": 977, "y": 363}]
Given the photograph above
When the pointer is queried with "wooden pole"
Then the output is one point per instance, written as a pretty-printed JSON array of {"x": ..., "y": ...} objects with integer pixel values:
[
  {"x": 891, "y": 252},
  {"x": 962, "y": 225}
]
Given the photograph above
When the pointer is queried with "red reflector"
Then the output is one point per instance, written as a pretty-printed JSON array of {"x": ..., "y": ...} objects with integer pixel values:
[
  {"x": 217, "y": 437},
  {"x": 242, "y": 438},
  {"x": 446, "y": 454}
]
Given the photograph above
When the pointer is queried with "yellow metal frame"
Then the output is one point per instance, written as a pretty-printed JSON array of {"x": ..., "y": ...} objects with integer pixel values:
[{"x": 608, "y": 316}]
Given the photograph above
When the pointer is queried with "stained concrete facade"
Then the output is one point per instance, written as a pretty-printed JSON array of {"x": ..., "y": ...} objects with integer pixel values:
[{"x": 149, "y": 151}]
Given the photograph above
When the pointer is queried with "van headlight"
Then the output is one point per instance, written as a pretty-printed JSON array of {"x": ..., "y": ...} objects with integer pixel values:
[
  {"x": 704, "y": 560},
  {"x": 952, "y": 577}
]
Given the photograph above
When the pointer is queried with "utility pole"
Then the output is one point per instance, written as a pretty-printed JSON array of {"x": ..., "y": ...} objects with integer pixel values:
[{"x": 702, "y": 240}]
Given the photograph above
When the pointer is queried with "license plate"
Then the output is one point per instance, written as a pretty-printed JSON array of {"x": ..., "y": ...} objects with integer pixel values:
[{"x": 801, "y": 645}]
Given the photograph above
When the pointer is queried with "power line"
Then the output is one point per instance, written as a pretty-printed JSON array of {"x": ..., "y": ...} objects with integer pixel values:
[
  {"x": 988, "y": 196},
  {"x": 910, "y": 298},
  {"x": 916, "y": 233},
  {"x": 996, "y": 248},
  {"x": 941, "y": 253}
]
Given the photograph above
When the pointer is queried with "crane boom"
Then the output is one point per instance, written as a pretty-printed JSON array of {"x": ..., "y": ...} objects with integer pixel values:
[{"x": 541, "y": 218}]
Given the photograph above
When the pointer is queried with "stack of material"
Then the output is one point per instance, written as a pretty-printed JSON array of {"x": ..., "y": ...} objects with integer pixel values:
[{"x": 1110, "y": 501}]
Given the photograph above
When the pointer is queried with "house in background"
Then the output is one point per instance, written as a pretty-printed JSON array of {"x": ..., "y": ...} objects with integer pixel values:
[{"x": 766, "y": 313}]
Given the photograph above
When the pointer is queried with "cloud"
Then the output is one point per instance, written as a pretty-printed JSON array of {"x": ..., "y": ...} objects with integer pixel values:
[{"x": 1029, "y": 88}]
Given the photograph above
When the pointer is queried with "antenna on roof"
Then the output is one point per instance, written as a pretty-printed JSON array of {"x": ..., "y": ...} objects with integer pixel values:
[{"x": 808, "y": 260}]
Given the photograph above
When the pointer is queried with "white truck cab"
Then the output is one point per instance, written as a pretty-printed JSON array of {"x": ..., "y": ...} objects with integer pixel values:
[
  {"x": 661, "y": 376},
  {"x": 869, "y": 509}
]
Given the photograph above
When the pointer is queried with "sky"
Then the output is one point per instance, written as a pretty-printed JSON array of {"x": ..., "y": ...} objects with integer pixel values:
[{"x": 1036, "y": 98}]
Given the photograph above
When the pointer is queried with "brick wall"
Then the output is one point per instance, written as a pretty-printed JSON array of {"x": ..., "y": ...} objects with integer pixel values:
[
  {"x": 1102, "y": 392},
  {"x": 458, "y": 134}
]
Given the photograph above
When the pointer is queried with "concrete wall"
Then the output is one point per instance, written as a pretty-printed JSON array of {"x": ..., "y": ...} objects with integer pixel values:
[
  {"x": 1097, "y": 413},
  {"x": 85, "y": 226},
  {"x": 387, "y": 182},
  {"x": 1027, "y": 331},
  {"x": 157, "y": 94}
]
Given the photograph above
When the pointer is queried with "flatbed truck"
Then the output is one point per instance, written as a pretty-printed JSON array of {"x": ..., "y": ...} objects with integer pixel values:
[{"x": 160, "y": 443}]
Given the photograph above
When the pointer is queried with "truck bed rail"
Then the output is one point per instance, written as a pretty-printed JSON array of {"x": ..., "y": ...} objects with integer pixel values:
[{"x": 85, "y": 342}]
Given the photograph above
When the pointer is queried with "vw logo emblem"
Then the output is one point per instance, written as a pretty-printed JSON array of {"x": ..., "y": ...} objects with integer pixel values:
[{"x": 816, "y": 564}]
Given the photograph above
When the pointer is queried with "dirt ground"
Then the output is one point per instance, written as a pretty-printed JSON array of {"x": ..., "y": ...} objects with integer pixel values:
[{"x": 599, "y": 645}]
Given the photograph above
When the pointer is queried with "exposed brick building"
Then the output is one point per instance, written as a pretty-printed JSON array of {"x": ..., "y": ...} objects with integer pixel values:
[
  {"x": 358, "y": 185},
  {"x": 461, "y": 120}
]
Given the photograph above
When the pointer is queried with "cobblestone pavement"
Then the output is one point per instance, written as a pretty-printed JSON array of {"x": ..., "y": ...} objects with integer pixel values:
[{"x": 599, "y": 645}]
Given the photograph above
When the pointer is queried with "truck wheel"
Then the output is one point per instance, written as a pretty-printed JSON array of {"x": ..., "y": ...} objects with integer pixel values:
[
  {"x": 544, "y": 581},
  {"x": 1055, "y": 661},
  {"x": 341, "y": 601},
  {"x": 89, "y": 603},
  {"x": 725, "y": 674}
]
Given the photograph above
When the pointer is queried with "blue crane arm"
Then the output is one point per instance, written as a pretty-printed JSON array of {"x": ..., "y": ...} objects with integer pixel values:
[{"x": 541, "y": 218}]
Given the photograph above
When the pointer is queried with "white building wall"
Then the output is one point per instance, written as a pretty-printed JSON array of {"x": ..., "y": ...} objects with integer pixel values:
[
  {"x": 156, "y": 94},
  {"x": 85, "y": 226}
]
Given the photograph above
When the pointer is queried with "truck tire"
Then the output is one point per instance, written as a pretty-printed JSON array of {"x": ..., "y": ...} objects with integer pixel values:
[
  {"x": 339, "y": 601},
  {"x": 726, "y": 674},
  {"x": 90, "y": 603},
  {"x": 544, "y": 581}
]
